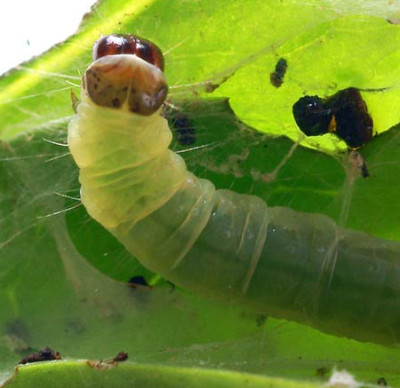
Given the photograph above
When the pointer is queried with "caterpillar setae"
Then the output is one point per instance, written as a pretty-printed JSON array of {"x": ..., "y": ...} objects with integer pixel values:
[{"x": 219, "y": 243}]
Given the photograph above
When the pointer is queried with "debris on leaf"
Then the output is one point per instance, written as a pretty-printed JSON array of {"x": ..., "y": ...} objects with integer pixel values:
[
  {"x": 46, "y": 354},
  {"x": 108, "y": 363},
  {"x": 343, "y": 379},
  {"x": 276, "y": 77},
  {"x": 120, "y": 357}
]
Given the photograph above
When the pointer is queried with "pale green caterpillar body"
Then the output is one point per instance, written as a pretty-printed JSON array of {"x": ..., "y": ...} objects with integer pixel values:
[{"x": 218, "y": 243}]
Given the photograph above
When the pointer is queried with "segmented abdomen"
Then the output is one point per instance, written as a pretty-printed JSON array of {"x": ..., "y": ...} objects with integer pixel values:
[{"x": 226, "y": 245}]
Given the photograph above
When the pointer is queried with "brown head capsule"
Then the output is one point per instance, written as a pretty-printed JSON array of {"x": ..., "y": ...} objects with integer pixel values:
[
  {"x": 125, "y": 81},
  {"x": 116, "y": 44}
]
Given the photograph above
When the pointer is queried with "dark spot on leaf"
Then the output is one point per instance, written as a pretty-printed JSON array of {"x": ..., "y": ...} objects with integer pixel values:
[
  {"x": 46, "y": 354},
  {"x": 185, "y": 131},
  {"x": 276, "y": 77},
  {"x": 345, "y": 114},
  {"x": 120, "y": 357},
  {"x": 353, "y": 123},
  {"x": 312, "y": 115}
]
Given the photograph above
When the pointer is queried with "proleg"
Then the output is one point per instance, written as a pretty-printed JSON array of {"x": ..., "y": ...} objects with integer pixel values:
[{"x": 219, "y": 243}]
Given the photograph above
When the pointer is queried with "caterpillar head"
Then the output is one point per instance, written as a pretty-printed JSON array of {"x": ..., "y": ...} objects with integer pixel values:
[
  {"x": 115, "y": 44},
  {"x": 126, "y": 82}
]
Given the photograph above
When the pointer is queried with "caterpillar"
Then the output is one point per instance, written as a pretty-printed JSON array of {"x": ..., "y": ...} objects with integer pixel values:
[{"x": 218, "y": 243}]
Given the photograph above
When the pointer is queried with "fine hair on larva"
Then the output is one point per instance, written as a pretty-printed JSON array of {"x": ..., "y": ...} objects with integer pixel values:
[{"x": 218, "y": 243}]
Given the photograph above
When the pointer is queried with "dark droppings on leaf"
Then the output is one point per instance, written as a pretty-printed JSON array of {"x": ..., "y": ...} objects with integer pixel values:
[
  {"x": 185, "y": 132},
  {"x": 120, "y": 357},
  {"x": 276, "y": 77},
  {"x": 353, "y": 123},
  {"x": 312, "y": 115},
  {"x": 46, "y": 354},
  {"x": 345, "y": 114}
]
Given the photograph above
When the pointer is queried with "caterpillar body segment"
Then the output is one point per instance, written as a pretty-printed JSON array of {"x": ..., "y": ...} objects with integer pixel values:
[
  {"x": 117, "y": 183},
  {"x": 218, "y": 243}
]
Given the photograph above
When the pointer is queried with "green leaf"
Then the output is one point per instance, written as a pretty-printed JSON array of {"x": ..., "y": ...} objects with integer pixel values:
[
  {"x": 63, "y": 278},
  {"x": 72, "y": 374}
]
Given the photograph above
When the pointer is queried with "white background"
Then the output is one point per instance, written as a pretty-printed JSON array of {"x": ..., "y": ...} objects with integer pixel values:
[{"x": 29, "y": 27}]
